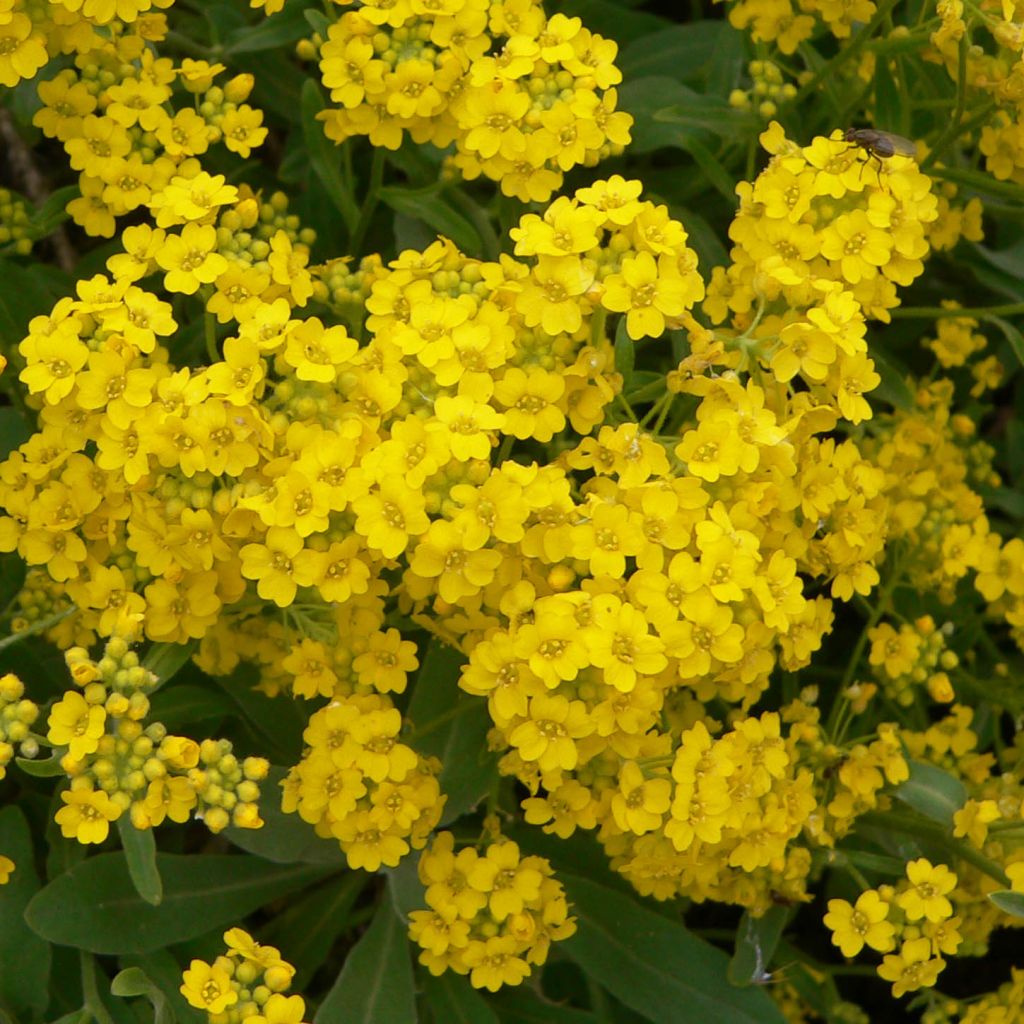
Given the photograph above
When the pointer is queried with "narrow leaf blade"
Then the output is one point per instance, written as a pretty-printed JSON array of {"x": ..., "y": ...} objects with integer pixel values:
[
  {"x": 655, "y": 965},
  {"x": 140, "y": 854},
  {"x": 375, "y": 985},
  {"x": 94, "y": 907}
]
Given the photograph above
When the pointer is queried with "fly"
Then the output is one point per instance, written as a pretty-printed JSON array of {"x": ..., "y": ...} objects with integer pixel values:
[{"x": 879, "y": 145}]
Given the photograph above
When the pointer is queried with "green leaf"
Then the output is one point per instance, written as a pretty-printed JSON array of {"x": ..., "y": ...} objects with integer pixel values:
[
  {"x": 713, "y": 168},
  {"x": 140, "y": 853},
  {"x": 47, "y": 768},
  {"x": 889, "y": 104},
  {"x": 277, "y": 721},
  {"x": 452, "y": 725},
  {"x": 317, "y": 20},
  {"x": 683, "y": 52},
  {"x": 93, "y": 907},
  {"x": 704, "y": 239},
  {"x": 880, "y": 863},
  {"x": 284, "y": 838},
  {"x": 375, "y": 984},
  {"x": 1012, "y": 334},
  {"x": 166, "y": 660},
  {"x": 609, "y": 18},
  {"x": 427, "y": 205},
  {"x": 52, "y": 212},
  {"x": 522, "y": 1005},
  {"x": 14, "y": 431},
  {"x": 12, "y": 575},
  {"x": 287, "y": 26},
  {"x": 185, "y": 704},
  {"x": 933, "y": 792},
  {"x": 668, "y": 113},
  {"x": 756, "y": 942},
  {"x": 654, "y": 964},
  {"x": 625, "y": 353},
  {"x": 308, "y": 927},
  {"x": 453, "y": 1000},
  {"x": 21, "y": 298},
  {"x": 24, "y": 957},
  {"x": 1008, "y": 901},
  {"x": 404, "y": 886},
  {"x": 164, "y": 972},
  {"x": 133, "y": 981},
  {"x": 325, "y": 156},
  {"x": 893, "y": 387}
]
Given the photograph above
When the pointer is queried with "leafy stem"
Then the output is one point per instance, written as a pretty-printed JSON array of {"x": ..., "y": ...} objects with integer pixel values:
[
  {"x": 848, "y": 52},
  {"x": 370, "y": 200},
  {"x": 952, "y": 129},
  {"x": 893, "y": 821}
]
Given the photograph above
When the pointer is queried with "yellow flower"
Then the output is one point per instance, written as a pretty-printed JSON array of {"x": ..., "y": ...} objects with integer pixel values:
[
  {"x": 76, "y": 724},
  {"x": 279, "y": 1008},
  {"x": 911, "y": 968},
  {"x": 190, "y": 259},
  {"x": 864, "y": 923},
  {"x": 973, "y": 819},
  {"x": 243, "y": 130},
  {"x": 552, "y": 297},
  {"x": 53, "y": 361},
  {"x": 87, "y": 815},
  {"x": 209, "y": 988},
  {"x": 640, "y": 804},
  {"x": 648, "y": 292},
  {"x": 279, "y": 566},
  {"x": 926, "y": 896},
  {"x": 192, "y": 199},
  {"x": 6, "y": 869},
  {"x": 22, "y": 49}
]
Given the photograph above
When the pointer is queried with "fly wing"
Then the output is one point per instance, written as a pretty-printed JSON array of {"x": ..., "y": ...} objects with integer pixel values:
[{"x": 900, "y": 144}]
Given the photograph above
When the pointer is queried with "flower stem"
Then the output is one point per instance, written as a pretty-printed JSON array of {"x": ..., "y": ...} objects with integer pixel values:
[
  {"x": 370, "y": 201},
  {"x": 928, "y": 312}
]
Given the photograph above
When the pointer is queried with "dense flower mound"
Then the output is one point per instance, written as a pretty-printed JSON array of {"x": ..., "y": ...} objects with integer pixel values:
[{"x": 727, "y": 574}]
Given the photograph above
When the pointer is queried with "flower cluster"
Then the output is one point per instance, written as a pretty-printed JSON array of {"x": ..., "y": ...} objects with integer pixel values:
[
  {"x": 116, "y": 762},
  {"x": 822, "y": 222},
  {"x": 115, "y": 115},
  {"x": 15, "y": 231},
  {"x": 787, "y": 24},
  {"x": 913, "y": 655},
  {"x": 359, "y": 784},
  {"x": 912, "y": 923},
  {"x": 33, "y": 31},
  {"x": 245, "y": 986},
  {"x": 493, "y": 914},
  {"x": 17, "y": 713},
  {"x": 767, "y": 89},
  {"x": 523, "y": 97}
]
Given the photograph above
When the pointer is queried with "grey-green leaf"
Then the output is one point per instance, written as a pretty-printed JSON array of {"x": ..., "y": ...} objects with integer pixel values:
[
  {"x": 756, "y": 942},
  {"x": 932, "y": 791},
  {"x": 133, "y": 981},
  {"x": 654, "y": 964},
  {"x": 1008, "y": 901},
  {"x": 140, "y": 854},
  {"x": 375, "y": 984},
  {"x": 451, "y": 725},
  {"x": 284, "y": 838},
  {"x": 429, "y": 206},
  {"x": 453, "y": 999},
  {"x": 24, "y": 957},
  {"x": 94, "y": 906},
  {"x": 324, "y": 155},
  {"x": 166, "y": 660}
]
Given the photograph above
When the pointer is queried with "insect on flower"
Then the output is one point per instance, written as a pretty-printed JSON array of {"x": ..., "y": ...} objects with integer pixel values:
[{"x": 879, "y": 145}]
